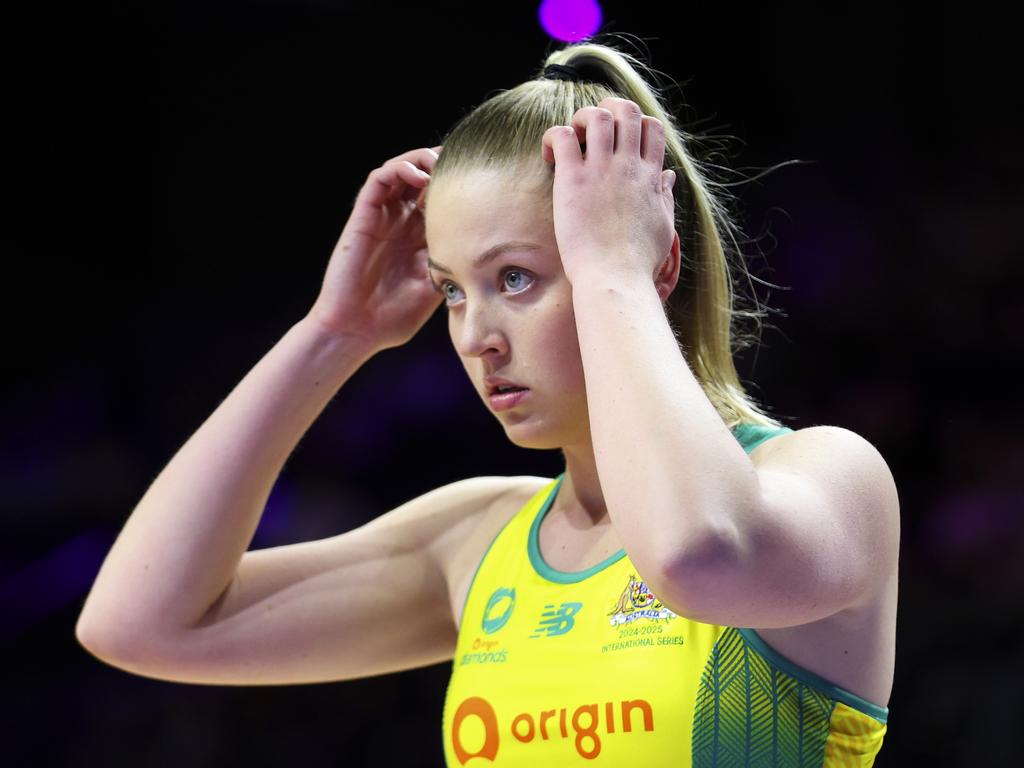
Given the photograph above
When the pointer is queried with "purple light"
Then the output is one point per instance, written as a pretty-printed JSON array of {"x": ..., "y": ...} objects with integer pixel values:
[
  {"x": 570, "y": 20},
  {"x": 52, "y": 581},
  {"x": 278, "y": 516}
]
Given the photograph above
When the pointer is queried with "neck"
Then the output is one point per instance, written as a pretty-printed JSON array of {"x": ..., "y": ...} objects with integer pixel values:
[{"x": 580, "y": 498}]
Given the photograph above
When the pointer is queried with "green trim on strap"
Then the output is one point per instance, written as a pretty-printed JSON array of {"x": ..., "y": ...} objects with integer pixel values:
[
  {"x": 462, "y": 620},
  {"x": 752, "y": 435},
  {"x": 807, "y": 677}
]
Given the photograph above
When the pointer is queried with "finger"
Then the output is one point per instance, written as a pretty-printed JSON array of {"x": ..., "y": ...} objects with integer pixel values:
[
  {"x": 430, "y": 156},
  {"x": 652, "y": 142},
  {"x": 423, "y": 158},
  {"x": 559, "y": 144},
  {"x": 411, "y": 181},
  {"x": 627, "y": 124},
  {"x": 668, "y": 185},
  {"x": 595, "y": 127},
  {"x": 405, "y": 178},
  {"x": 392, "y": 178}
]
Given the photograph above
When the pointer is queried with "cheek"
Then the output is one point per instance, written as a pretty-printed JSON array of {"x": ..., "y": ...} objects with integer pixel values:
[{"x": 562, "y": 347}]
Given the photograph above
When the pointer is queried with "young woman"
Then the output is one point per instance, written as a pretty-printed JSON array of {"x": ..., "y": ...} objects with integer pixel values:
[{"x": 605, "y": 616}]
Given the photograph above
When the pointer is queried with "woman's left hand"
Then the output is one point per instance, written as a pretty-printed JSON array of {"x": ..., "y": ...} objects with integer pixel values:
[{"x": 613, "y": 206}]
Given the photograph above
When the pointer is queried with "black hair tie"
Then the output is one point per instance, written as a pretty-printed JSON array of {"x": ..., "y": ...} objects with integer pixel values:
[
  {"x": 580, "y": 73},
  {"x": 561, "y": 72}
]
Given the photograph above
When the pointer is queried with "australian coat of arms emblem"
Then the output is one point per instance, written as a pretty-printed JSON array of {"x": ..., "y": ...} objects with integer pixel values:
[{"x": 638, "y": 602}]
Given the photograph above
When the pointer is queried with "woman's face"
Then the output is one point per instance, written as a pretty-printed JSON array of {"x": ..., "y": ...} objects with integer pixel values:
[{"x": 509, "y": 315}]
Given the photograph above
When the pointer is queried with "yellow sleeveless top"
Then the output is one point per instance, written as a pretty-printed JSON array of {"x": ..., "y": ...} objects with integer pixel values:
[{"x": 589, "y": 668}]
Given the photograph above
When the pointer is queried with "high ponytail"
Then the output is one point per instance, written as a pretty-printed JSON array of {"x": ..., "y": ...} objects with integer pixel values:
[{"x": 504, "y": 133}]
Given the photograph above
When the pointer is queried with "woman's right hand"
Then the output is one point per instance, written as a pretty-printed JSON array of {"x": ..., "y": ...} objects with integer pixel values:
[{"x": 377, "y": 287}]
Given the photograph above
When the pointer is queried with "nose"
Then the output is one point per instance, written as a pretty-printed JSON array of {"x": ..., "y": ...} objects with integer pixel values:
[{"x": 478, "y": 334}]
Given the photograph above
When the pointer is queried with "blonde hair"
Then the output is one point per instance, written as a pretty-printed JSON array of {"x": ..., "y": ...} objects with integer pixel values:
[{"x": 504, "y": 133}]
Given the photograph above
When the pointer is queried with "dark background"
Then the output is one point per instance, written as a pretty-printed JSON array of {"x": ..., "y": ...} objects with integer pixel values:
[{"x": 174, "y": 183}]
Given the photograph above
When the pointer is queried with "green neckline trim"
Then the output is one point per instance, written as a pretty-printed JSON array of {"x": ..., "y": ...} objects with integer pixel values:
[
  {"x": 545, "y": 570},
  {"x": 749, "y": 436},
  {"x": 792, "y": 669}
]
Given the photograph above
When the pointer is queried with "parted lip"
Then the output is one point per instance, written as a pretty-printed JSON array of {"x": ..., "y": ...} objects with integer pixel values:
[{"x": 493, "y": 382}]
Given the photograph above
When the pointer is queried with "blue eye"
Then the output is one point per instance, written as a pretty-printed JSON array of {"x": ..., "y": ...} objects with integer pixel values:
[
  {"x": 516, "y": 285},
  {"x": 514, "y": 272},
  {"x": 443, "y": 290}
]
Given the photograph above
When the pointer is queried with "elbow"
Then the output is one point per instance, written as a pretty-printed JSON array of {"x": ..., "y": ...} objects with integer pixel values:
[
  {"x": 97, "y": 637},
  {"x": 92, "y": 639},
  {"x": 118, "y": 652},
  {"x": 85, "y": 633},
  {"x": 688, "y": 578},
  {"x": 716, "y": 545}
]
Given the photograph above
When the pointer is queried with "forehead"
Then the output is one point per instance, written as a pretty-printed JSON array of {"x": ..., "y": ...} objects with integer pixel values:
[{"x": 485, "y": 206}]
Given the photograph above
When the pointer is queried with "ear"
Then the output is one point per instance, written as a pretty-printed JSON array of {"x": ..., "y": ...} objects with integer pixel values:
[{"x": 667, "y": 274}]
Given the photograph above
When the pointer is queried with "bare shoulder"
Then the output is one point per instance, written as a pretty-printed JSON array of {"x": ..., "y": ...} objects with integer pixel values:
[
  {"x": 433, "y": 522},
  {"x": 477, "y": 505},
  {"x": 461, "y": 545},
  {"x": 840, "y": 480},
  {"x": 437, "y": 513},
  {"x": 848, "y": 477},
  {"x": 826, "y": 445}
]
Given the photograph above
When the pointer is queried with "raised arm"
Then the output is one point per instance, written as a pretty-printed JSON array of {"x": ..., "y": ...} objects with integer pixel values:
[{"x": 182, "y": 546}]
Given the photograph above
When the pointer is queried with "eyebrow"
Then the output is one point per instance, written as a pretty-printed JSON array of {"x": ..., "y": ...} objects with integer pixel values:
[{"x": 489, "y": 254}]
